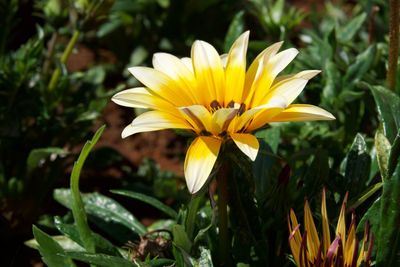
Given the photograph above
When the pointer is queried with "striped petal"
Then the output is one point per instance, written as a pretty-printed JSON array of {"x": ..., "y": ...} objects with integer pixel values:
[
  {"x": 209, "y": 72},
  {"x": 236, "y": 69},
  {"x": 305, "y": 74},
  {"x": 222, "y": 118},
  {"x": 160, "y": 84},
  {"x": 199, "y": 117},
  {"x": 247, "y": 143},
  {"x": 302, "y": 112},
  {"x": 263, "y": 117},
  {"x": 288, "y": 89},
  {"x": 140, "y": 97},
  {"x": 154, "y": 121},
  {"x": 177, "y": 71},
  {"x": 200, "y": 160},
  {"x": 271, "y": 67}
]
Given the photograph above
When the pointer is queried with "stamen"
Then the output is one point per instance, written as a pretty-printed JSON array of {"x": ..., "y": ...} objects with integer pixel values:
[
  {"x": 231, "y": 104},
  {"x": 215, "y": 105},
  {"x": 242, "y": 108}
]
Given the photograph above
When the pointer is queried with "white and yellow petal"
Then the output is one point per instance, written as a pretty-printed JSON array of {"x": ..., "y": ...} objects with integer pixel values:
[
  {"x": 209, "y": 72},
  {"x": 160, "y": 84},
  {"x": 140, "y": 97},
  {"x": 247, "y": 143},
  {"x": 154, "y": 121},
  {"x": 302, "y": 112},
  {"x": 177, "y": 71},
  {"x": 235, "y": 71},
  {"x": 199, "y": 162}
]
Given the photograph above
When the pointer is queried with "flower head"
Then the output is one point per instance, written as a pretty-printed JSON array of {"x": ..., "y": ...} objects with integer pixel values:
[
  {"x": 215, "y": 97},
  {"x": 343, "y": 251}
]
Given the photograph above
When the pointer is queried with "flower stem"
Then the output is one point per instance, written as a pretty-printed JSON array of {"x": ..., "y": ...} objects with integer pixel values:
[
  {"x": 224, "y": 239},
  {"x": 64, "y": 57},
  {"x": 394, "y": 9}
]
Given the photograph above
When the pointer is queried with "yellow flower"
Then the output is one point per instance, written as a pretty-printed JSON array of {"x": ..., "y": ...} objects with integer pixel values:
[
  {"x": 344, "y": 251},
  {"x": 217, "y": 99}
]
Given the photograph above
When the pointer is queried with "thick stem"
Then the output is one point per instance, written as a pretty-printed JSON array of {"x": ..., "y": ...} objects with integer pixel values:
[
  {"x": 394, "y": 9},
  {"x": 224, "y": 238},
  {"x": 64, "y": 57}
]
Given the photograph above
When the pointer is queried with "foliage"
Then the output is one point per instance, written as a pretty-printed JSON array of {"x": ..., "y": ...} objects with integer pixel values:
[{"x": 41, "y": 131}]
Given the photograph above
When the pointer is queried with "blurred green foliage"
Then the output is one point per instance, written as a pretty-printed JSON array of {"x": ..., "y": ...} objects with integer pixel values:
[{"x": 40, "y": 129}]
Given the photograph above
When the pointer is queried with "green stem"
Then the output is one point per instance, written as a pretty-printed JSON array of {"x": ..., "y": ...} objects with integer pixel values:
[
  {"x": 394, "y": 21},
  {"x": 224, "y": 239},
  {"x": 64, "y": 57}
]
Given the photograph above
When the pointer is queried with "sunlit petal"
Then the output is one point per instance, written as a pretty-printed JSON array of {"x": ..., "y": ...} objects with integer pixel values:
[
  {"x": 209, "y": 71},
  {"x": 257, "y": 67},
  {"x": 199, "y": 117},
  {"x": 140, "y": 97},
  {"x": 247, "y": 143},
  {"x": 177, "y": 71},
  {"x": 302, "y": 112},
  {"x": 154, "y": 121},
  {"x": 288, "y": 89},
  {"x": 200, "y": 160},
  {"x": 236, "y": 69},
  {"x": 160, "y": 84}
]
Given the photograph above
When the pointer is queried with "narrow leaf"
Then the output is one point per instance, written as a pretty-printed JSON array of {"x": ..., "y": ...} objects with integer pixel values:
[
  {"x": 149, "y": 200},
  {"x": 388, "y": 236},
  {"x": 103, "y": 208},
  {"x": 50, "y": 249},
  {"x": 181, "y": 239},
  {"x": 77, "y": 207},
  {"x": 101, "y": 259},
  {"x": 347, "y": 32},
  {"x": 388, "y": 105}
]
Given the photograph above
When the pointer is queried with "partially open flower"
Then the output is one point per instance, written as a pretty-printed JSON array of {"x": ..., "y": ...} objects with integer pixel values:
[
  {"x": 215, "y": 97},
  {"x": 343, "y": 251}
]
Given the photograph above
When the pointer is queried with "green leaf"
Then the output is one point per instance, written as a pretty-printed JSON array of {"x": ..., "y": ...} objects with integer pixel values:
[
  {"x": 388, "y": 105},
  {"x": 382, "y": 146},
  {"x": 191, "y": 215},
  {"x": 358, "y": 164},
  {"x": 235, "y": 29},
  {"x": 37, "y": 156},
  {"x": 66, "y": 243},
  {"x": 102, "y": 259},
  {"x": 373, "y": 216},
  {"x": 346, "y": 33},
  {"x": 102, "y": 245},
  {"x": 332, "y": 86},
  {"x": 271, "y": 136},
  {"x": 181, "y": 239},
  {"x": 362, "y": 64},
  {"x": 265, "y": 170},
  {"x": 388, "y": 237},
  {"x": 103, "y": 208},
  {"x": 50, "y": 249},
  {"x": 77, "y": 206},
  {"x": 394, "y": 155},
  {"x": 149, "y": 200}
]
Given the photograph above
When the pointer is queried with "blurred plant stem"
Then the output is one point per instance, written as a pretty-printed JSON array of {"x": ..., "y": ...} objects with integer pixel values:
[
  {"x": 393, "y": 43},
  {"x": 64, "y": 57},
  {"x": 224, "y": 240},
  {"x": 192, "y": 212}
]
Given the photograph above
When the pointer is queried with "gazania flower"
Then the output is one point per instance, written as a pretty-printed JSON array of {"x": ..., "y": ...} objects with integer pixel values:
[
  {"x": 215, "y": 97},
  {"x": 343, "y": 251}
]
